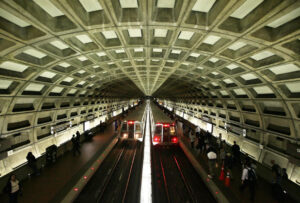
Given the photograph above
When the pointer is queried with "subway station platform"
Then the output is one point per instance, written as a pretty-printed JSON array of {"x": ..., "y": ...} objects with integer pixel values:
[
  {"x": 57, "y": 180},
  {"x": 263, "y": 191}
]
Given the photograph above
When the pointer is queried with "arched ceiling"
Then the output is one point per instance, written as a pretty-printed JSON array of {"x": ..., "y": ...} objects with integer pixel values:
[{"x": 242, "y": 51}]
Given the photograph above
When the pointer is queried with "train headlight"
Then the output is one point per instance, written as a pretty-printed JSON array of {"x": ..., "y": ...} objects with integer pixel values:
[
  {"x": 137, "y": 135},
  {"x": 125, "y": 135}
]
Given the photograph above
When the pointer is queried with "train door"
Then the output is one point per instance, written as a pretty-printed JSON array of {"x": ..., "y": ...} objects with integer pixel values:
[
  {"x": 166, "y": 133},
  {"x": 158, "y": 133},
  {"x": 130, "y": 129}
]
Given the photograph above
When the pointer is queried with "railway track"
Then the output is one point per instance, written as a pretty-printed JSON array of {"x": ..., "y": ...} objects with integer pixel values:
[
  {"x": 175, "y": 179},
  {"x": 112, "y": 180}
]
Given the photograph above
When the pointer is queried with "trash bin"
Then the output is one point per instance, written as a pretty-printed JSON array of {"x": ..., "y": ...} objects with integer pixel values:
[{"x": 51, "y": 154}]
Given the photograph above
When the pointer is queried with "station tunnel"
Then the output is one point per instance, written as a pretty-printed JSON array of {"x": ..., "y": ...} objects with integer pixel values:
[{"x": 227, "y": 67}]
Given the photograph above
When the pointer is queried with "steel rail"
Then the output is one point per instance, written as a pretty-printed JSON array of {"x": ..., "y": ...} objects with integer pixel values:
[
  {"x": 190, "y": 191},
  {"x": 130, "y": 172}
]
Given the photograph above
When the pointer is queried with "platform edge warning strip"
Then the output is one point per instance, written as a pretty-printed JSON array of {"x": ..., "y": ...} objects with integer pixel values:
[{"x": 213, "y": 188}]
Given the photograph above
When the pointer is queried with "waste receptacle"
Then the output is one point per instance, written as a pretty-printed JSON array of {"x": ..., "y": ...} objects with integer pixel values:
[{"x": 51, "y": 154}]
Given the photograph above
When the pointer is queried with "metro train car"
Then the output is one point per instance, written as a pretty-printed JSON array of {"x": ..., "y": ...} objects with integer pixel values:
[
  {"x": 132, "y": 127},
  {"x": 163, "y": 127}
]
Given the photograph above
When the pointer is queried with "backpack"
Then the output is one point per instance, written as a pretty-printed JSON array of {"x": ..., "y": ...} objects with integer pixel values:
[{"x": 251, "y": 174}]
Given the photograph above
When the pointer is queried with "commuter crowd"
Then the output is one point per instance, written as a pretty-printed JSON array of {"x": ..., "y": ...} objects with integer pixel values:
[{"x": 219, "y": 155}]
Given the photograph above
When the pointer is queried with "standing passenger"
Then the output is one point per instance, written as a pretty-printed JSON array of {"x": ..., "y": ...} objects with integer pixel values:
[
  {"x": 78, "y": 137},
  {"x": 197, "y": 131},
  {"x": 192, "y": 138},
  {"x": 236, "y": 152},
  {"x": 32, "y": 163},
  {"x": 249, "y": 180},
  {"x": 212, "y": 157},
  {"x": 12, "y": 188},
  {"x": 75, "y": 145}
]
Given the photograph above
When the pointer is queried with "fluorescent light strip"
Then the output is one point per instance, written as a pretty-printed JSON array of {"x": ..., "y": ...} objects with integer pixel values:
[
  {"x": 14, "y": 19},
  {"x": 160, "y": 32},
  {"x": 91, "y": 5},
  {"x": 203, "y": 5},
  {"x": 35, "y": 53},
  {"x": 4, "y": 84},
  {"x": 128, "y": 3},
  {"x": 60, "y": 45},
  {"x": 237, "y": 45},
  {"x": 146, "y": 186},
  {"x": 84, "y": 39},
  {"x": 262, "y": 55},
  {"x": 9, "y": 65},
  {"x": 135, "y": 32},
  {"x": 211, "y": 39},
  {"x": 165, "y": 3},
  {"x": 246, "y": 8},
  {"x": 47, "y": 6},
  {"x": 285, "y": 18}
]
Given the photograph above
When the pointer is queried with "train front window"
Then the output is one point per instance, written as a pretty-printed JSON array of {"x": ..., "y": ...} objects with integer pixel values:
[
  {"x": 138, "y": 127},
  {"x": 158, "y": 129},
  {"x": 172, "y": 130},
  {"x": 124, "y": 127}
]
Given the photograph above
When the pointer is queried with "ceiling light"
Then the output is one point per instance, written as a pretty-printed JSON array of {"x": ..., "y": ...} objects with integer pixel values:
[
  {"x": 185, "y": 35},
  {"x": 50, "y": 8},
  {"x": 128, "y": 3},
  {"x": 262, "y": 55},
  {"x": 58, "y": 44},
  {"x": 84, "y": 39},
  {"x": 82, "y": 58},
  {"x": 245, "y": 8},
  {"x": 195, "y": 55},
  {"x": 118, "y": 51},
  {"x": 64, "y": 64},
  {"x": 176, "y": 51},
  {"x": 157, "y": 50},
  {"x": 17, "y": 67},
  {"x": 160, "y": 32},
  {"x": 35, "y": 53},
  {"x": 109, "y": 34},
  {"x": 14, "y": 19},
  {"x": 138, "y": 49},
  {"x": 203, "y": 5},
  {"x": 237, "y": 45},
  {"x": 91, "y": 5},
  {"x": 135, "y": 32},
  {"x": 165, "y": 3},
  {"x": 211, "y": 39}
]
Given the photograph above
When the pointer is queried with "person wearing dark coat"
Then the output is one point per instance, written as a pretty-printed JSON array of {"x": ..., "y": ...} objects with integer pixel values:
[
  {"x": 76, "y": 147},
  {"x": 32, "y": 163},
  {"x": 235, "y": 152},
  {"x": 12, "y": 188}
]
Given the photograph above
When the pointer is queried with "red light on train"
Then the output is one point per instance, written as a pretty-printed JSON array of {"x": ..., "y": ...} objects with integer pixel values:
[
  {"x": 131, "y": 122},
  {"x": 85, "y": 177},
  {"x": 156, "y": 139},
  {"x": 174, "y": 139},
  {"x": 158, "y": 123},
  {"x": 166, "y": 125},
  {"x": 76, "y": 189}
]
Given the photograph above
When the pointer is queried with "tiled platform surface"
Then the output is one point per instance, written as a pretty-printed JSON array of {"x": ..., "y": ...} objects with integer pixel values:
[{"x": 55, "y": 180}]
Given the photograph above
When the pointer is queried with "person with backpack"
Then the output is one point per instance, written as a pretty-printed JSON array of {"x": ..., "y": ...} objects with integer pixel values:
[{"x": 249, "y": 180}]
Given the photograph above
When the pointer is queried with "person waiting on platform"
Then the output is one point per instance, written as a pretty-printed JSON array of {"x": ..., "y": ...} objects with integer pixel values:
[
  {"x": 235, "y": 152},
  {"x": 32, "y": 163},
  {"x": 78, "y": 137},
  {"x": 248, "y": 180},
  {"x": 192, "y": 138},
  {"x": 12, "y": 188},
  {"x": 212, "y": 164},
  {"x": 76, "y": 147}
]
